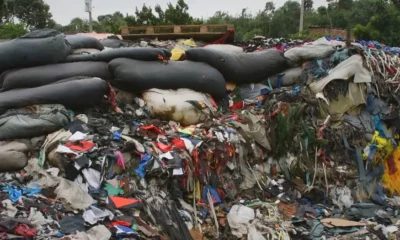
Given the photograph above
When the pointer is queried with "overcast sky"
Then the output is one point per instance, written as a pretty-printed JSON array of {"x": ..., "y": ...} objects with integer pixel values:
[{"x": 63, "y": 11}]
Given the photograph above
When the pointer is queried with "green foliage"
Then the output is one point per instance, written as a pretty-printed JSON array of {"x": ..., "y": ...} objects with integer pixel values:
[
  {"x": 11, "y": 30},
  {"x": 369, "y": 19},
  {"x": 33, "y": 13}
]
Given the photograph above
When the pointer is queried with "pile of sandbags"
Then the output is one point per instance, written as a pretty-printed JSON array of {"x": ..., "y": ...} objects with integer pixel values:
[{"x": 44, "y": 73}]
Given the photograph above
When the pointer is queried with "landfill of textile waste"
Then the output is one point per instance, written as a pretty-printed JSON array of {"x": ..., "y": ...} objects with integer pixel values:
[{"x": 126, "y": 143}]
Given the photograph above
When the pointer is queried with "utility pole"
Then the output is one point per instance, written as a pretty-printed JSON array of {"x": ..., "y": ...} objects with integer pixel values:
[
  {"x": 301, "y": 16},
  {"x": 88, "y": 9}
]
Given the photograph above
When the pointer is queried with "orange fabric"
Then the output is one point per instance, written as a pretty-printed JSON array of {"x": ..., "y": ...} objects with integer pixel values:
[{"x": 122, "y": 202}]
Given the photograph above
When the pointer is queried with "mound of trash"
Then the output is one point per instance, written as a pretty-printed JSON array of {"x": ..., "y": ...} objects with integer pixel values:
[{"x": 177, "y": 140}]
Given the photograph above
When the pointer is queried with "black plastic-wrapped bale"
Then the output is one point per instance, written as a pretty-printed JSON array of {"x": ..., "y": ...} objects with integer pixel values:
[
  {"x": 241, "y": 68},
  {"x": 137, "y": 76},
  {"x": 43, "y": 75},
  {"x": 40, "y": 47},
  {"x": 82, "y": 41},
  {"x": 144, "y": 54},
  {"x": 72, "y": 93},
  {"x": 32, "y": 121},
  {"x": 116, "y": 43}
]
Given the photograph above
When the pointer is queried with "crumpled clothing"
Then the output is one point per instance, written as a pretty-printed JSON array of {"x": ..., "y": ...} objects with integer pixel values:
[
  {"x": 353, "y": 66},
  {"x": 10, "y": 209},
  {"x": 345, "y": 104},
  {"x": 72, "y": 224},
  {"x": 254, "y": 130},
  {"x": 239, "y": 218},
  {"x": 70, "y": 193},
  {"x": 36, "y": 218}
]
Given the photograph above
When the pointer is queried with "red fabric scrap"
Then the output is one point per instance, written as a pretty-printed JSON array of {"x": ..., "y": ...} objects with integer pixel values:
[
  {"x": 152, "y": 128},
  {"x": 164, "y": 147},
  {"x": 178, "y": 143},
  {"x": 120, "y": 222},
  {"x": 25, "y": 230},
  {"x": 80, "y": 145}
]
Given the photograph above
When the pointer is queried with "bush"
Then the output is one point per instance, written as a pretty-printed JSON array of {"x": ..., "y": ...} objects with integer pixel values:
[{"x": 11, "y": 30}]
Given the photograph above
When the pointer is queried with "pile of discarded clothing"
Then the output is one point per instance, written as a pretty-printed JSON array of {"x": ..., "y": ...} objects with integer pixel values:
[{"x": 126, "y": 143}]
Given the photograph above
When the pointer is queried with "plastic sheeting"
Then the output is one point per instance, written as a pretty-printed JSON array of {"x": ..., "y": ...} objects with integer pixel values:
[
  {"x": 144, "y": 54},
  {"x": 13, "y": 155},
  {"x": 37, "y": 48},
  {"x": 72, "y": 93},
  {"x": 81, "y": 51},
  {"x": 173, "y": 105},
  {"x": 318, "y": 49},
  {"x": 138, "y": 76},
  {"x": 32, "y": 121},
  {"x": 43, "y": 75},
  {"x": 82, "y": 41},
  {"x": 225, "y": 48},
  {"x": 286, "y": 78},
  {"x": 115, "y": 43},
  {"x": 353, "y": 66},
  {"x": 241, "y": 68}
]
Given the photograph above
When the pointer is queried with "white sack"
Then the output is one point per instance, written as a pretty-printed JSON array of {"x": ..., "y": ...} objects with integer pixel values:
[
  {"x": 172, "y": 105},
  {"x": 318, "y": 49}
]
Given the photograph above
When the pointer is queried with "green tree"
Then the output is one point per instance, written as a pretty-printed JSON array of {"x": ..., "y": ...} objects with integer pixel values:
[
  {"x": 111, "y": 23},
  {"x": 145, "y": 16},
  {"x": 11, "y": 30},
  {"x": 77, "y": 25},
  {"x": 33, "y": 13},
  {"x": 178, "y": 14}
]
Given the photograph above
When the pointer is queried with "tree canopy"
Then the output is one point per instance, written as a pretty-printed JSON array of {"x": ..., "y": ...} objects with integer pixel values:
[{"x": 368, "y": 19}]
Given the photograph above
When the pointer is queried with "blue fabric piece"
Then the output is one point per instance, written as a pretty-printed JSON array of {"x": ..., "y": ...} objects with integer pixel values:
[
  {"x": 141, "y": 170},
  {"x": 117, "y": 135},
  {"x": 296, "y": 90},
  {"x": 213, "y": 192},
  {"x": 203, "y": 213},
  {"x": 378, "y": 126},
  {"x": 376, "y": 173},
  {"x": 360, "y": 164},
  {"x": 279, "y": 81},
  {"x": 59, "y": 235},
  {"x": 372, "y": 151},
  {"x": 33, "y": 189},
  {"x": 265, "y": 91},
  {"x": 14, "y": 194},
  {"x": 125, "y": 229},
  {"x": 317, "y": 230}
]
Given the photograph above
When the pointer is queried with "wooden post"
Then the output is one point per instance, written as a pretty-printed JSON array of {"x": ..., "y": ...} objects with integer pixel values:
[
  {"x": 124, "y": 30},
  {"x": 203, "y": 28},
  {"x": 149, "y": 30},
  {"x": 177, "y": 29}
]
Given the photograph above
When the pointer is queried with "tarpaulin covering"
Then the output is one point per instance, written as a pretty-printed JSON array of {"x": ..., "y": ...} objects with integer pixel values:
[
  {"x": 225, "y": 48},
  {"x": 43, "y": 75},
  {"x": 37, "y": 48},
  {"x": 144, "y": 54},
  {"x": 241, "y": 68},
  {"x": 82, "y": 41},
  {"x": 138, "y": 76},
  {"x": 72, "y": 93},
  {"x": 115, "y": 43},
  {"x": 315, "y": 50},
  {"x": 32, "y": 121},
  {"x": 286, "y": 78}
]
